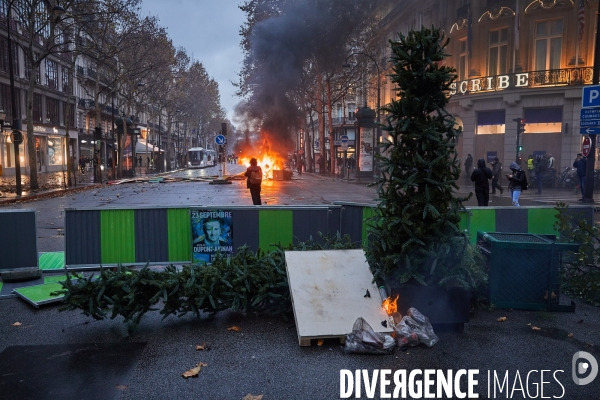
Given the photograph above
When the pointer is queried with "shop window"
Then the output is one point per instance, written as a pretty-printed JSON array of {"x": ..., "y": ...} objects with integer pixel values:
[
  {"x": 498, "y": 52},
  {"x": 491, "y": 122},
  {"x": 548, "y": 44},
  {"x": 8, "y": 153},
  {"x": 543, "y": 120},
  {"x": 55, "y": 156}
]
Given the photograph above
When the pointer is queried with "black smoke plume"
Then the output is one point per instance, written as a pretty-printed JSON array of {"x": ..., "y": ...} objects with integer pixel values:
[{"x": 301, "y": 35}]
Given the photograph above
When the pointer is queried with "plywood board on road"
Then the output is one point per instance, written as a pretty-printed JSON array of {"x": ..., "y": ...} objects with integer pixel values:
[{"x": 328, "y": 290}]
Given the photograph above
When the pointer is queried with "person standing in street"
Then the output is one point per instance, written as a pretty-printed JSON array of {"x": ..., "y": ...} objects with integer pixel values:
[
  {"x": 581, "y": 165},
  {"x": 468, "y": 165},
  {"x": 496, "y": 175},
  {"x": 254, "y": 181},
  {"x": 550, "y": 161},
  {"x": 517, "y": 182},
  {"x": 481, "y": 176},
  {"x": 539, "y": 173}
]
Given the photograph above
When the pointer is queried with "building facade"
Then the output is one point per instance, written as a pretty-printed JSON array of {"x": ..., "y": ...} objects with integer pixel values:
[
  {"x": 53, "y": 107},
  {"x": 514, "y": 59}
]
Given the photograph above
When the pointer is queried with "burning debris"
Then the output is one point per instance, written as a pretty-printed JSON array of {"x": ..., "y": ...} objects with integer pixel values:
[{"x": 391, "y": 307}]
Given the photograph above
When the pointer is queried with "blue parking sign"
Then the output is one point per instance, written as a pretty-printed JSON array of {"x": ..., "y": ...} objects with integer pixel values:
[{"x": 590, "y": 96}]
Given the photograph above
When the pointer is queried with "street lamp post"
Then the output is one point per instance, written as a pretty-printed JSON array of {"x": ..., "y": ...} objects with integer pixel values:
[{"x": 378, "y": 137}]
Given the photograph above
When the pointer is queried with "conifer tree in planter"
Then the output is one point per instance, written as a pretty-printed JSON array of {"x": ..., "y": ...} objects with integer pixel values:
[{"x": 413, "y": 233}]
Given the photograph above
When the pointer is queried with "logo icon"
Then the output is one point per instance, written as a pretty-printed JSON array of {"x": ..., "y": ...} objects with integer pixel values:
[{"x": 583, "y": 368}]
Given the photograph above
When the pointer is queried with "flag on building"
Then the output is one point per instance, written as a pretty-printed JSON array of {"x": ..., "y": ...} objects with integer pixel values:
[
  {"x": 469, "y": 32},
  {"x": 581, "y": 18},
  {"x": 517, "y": 26}
]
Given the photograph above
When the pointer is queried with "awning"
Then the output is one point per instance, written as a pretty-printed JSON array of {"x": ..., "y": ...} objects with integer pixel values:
[{"x": 141, "y": 148}]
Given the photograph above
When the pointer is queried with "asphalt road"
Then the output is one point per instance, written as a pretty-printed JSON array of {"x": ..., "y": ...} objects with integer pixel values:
[{"x": 264, "y": 356}]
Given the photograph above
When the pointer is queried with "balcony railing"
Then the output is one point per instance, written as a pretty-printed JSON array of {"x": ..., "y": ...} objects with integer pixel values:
[
  {"x": 86, "y": 71},
  {"x": 342, "y": 120},
  {"x": 90, "y": 104},
  {"x": 565, "y": 76}
]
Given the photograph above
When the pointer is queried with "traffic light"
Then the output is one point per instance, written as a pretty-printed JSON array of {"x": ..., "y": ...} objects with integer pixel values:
[
  {"x": 520, "y": 126},
  {"x": 520, "y": 148}
]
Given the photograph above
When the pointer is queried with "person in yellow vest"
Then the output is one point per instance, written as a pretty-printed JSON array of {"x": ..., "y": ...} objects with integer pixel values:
[{"x": 530, "y": 167}]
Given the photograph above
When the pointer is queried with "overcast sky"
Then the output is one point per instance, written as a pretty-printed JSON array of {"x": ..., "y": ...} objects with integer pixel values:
[{"x": 209, "y": 32}]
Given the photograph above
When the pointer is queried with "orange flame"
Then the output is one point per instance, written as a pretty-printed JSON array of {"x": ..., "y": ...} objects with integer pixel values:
[
  {"x": 390, "y": 306},
  {"x": 268, "y": 163}
]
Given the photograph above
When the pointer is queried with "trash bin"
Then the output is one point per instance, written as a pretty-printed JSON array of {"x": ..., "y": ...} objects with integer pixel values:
[{"x": 524, "y": 270}]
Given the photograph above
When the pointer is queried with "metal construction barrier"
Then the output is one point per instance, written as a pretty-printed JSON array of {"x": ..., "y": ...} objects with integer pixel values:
[
  {"x": 164, "y": 235},
  {"x": 96, "y": 237},
  {"x": 538, "y": 220},
  {"x": 18, "y": 237}
]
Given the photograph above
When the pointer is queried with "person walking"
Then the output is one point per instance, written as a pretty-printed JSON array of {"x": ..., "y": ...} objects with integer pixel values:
[
  {"x": 496, "y": 175},
  {"x": 517, "y": 182},
  {"x": 581, "y": 165},
  {"x": 254, "y": 181},
  {"x": 481, "y": 176}
]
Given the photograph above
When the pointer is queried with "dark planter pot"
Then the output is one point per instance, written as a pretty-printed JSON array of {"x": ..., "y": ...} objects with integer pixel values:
[{"x": 445, "y": 308}]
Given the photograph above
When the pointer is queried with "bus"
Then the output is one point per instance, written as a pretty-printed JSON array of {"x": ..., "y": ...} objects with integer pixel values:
[{"x": 198, "y": 157}]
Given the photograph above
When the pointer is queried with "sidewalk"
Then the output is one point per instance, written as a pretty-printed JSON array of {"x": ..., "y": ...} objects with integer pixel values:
[{"x": 51, "y": 183}]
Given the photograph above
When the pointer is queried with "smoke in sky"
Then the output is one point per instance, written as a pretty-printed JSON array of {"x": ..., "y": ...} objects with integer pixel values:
[{"x": 307, "y": 33}]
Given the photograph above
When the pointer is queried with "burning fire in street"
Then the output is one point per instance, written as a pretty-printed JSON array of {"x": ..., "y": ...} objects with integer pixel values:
[
  {"x": 268, "y": 163},
  {"x": 270, "y": 152},
  {"x": 390, "y": 306}
]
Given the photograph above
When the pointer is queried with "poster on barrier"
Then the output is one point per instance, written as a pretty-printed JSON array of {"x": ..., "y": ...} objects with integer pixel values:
[{"x": 212, "y": 232}]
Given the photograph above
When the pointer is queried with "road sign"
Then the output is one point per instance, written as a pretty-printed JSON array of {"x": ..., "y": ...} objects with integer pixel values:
[
  {"x": 344, "y": 146},
  {"x": 590, "y": 96},
  {"x": 344, "y": 138},
  {"x": 590, "y": 130},
  {"x": 220, "y": 139},
  {"x": 589, "y": 114},
  {"x": 589, "y": 123},
  {"x": 585, "y": 147}
]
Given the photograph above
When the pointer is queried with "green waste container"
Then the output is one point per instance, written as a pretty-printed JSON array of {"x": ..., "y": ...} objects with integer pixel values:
[{"x": 524, "y": 270}]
